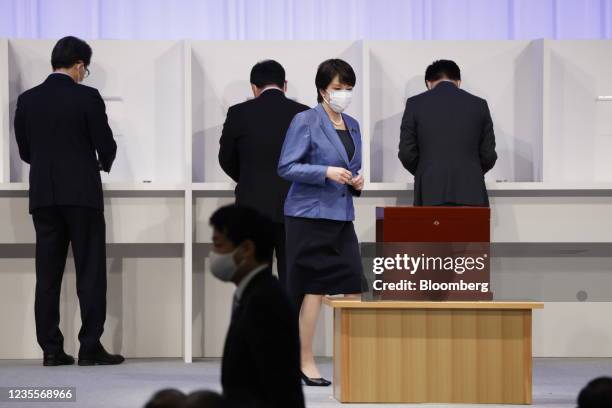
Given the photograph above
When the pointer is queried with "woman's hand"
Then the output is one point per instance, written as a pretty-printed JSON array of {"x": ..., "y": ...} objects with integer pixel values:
[
  {"x": 357, "y": 182},
  {"x": 339, "y": 175}
]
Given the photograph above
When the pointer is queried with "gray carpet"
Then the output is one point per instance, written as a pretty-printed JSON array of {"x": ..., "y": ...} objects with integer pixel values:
[{"x": 556, "y": 382}]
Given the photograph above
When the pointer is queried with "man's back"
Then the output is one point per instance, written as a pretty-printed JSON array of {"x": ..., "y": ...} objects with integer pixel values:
[
  {"x": 251, "y": 143},
  {"x": 261, "y": 360},
  {"x": 59, "y": 127},
  {"x": 447, "y": 142}
]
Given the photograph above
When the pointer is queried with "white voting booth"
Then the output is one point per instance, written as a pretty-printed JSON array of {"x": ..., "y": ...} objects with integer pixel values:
[
  {"x": 578, "y": 111},
  {"x": 220, "y": 78},
  {"x": 143, "y": 85},
  {"x": 166, "y": 101},
  {"x": 505, "y": 73}
]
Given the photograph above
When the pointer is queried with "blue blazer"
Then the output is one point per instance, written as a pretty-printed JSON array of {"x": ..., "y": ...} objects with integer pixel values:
[{"x": 311, "y": 145}]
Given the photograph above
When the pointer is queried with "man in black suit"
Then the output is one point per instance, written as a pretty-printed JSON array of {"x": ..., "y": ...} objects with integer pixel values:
[
  {"x": 60, "y": 125},
  {"x": 447, "y": 141},
  {"x": 261, "y": 359},
  {"x": 251, "y": 142}
]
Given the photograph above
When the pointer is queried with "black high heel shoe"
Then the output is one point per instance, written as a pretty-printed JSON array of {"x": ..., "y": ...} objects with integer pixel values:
[{"x": 315, "y": 382}]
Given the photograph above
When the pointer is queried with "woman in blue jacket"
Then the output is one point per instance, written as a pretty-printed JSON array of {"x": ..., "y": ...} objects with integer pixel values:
[{"x": 321, "y": 156}]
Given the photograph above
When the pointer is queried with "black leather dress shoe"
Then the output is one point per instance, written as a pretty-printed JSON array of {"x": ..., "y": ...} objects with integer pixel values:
[
  {"x": 100, "y": 357},
  {"x": 57, "y": 359},
  {"x": 315, "y": 382}
]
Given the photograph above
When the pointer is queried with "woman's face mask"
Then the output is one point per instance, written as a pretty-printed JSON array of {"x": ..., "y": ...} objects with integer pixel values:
[{"x": 339, "y": 100}]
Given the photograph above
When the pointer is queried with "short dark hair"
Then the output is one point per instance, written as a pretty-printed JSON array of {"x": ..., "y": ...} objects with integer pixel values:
[
  {"x": 240, "y": 223},
  {"x": 68, "y": 51},
  {"x": 167, "y": 398},
  {"x": 331, "y": 68},
  {"x": 443, "y": 69},
  {"x": 596, "y": 394},
  {"x": 208, "y": 399},
  {"x": 268, "y": 72}
]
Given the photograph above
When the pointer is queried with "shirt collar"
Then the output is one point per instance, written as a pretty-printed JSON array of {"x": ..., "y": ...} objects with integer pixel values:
[
  {"x": 247, "y": 279},
  {"x": 267, "y": 88},
  {"x": 446, "y": 82},
  {"x": 61, "y": 73}
]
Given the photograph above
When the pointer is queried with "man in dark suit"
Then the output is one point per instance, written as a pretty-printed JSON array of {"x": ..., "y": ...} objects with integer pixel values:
[
  {"x": 251, "y": 142},
  {"x": 261, "y": 359},
  {"x": 447, "y": 141},
  {"x": 60, "y": 125}
]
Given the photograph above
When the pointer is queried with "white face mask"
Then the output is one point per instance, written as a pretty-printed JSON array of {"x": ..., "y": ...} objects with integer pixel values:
[
  {"x": 339, "y": 100},
  {"x": 223, "y": 266}
]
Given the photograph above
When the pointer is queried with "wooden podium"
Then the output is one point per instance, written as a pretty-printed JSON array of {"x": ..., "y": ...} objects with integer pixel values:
[
  {"x": 394, "y": 351},
  {"x": 432, "y": 352}
]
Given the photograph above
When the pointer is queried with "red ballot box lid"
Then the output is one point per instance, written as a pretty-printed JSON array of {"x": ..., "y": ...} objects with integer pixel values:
[{"x": 433, "y": 224}]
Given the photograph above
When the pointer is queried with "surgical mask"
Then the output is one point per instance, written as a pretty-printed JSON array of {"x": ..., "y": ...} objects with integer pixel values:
[
  {"x": 223, "y": 266},
  {"x": 340, "y": 100}
]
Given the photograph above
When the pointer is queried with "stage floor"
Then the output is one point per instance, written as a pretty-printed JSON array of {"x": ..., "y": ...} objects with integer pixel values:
[{"x": 556, "y": 381}]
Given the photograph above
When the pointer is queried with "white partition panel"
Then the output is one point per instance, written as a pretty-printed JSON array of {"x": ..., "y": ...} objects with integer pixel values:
[
  {"x": 212, "y": 299},
  {"x": 220, "y": 79},
  {"x": 551, "y": 219},
  {"x": 129, "y": 220},
  {"x": 572, "y": 329},
  {"x": 506, "y": 73},
  {"x": 143, "y": 85},
  {"x": 16, "y": 221},
  {"x": 4, "y": 113},
  {"x": 578, "y": 125},
  {"x": 143, "y": 307}
]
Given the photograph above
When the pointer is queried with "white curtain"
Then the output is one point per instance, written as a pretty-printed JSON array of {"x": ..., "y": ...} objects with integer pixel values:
[{"x": 307, "y": 19}]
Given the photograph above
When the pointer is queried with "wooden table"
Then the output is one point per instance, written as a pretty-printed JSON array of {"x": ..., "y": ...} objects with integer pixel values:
[{"x": 432, "y": 352}]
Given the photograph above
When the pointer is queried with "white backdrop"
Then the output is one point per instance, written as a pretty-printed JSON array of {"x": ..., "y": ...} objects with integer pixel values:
[{"x": 307, "y": 19}]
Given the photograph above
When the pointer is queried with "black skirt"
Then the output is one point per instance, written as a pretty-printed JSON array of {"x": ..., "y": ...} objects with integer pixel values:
[{"x": 322, "y": 257}]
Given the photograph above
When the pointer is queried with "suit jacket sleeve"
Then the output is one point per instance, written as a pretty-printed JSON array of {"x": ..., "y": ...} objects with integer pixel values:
[
  {"x": 488, "y": 157},
  {"x": 292, "y": 165},
  {"x": 100, "y": 132},
  {"x": 23, "y": 142},
  {"x": 352, "y": 190},
  {"x": 408, "y": 147},
  {"x": 270, "y": 334},
  {"x": 228, "y": 151}
]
